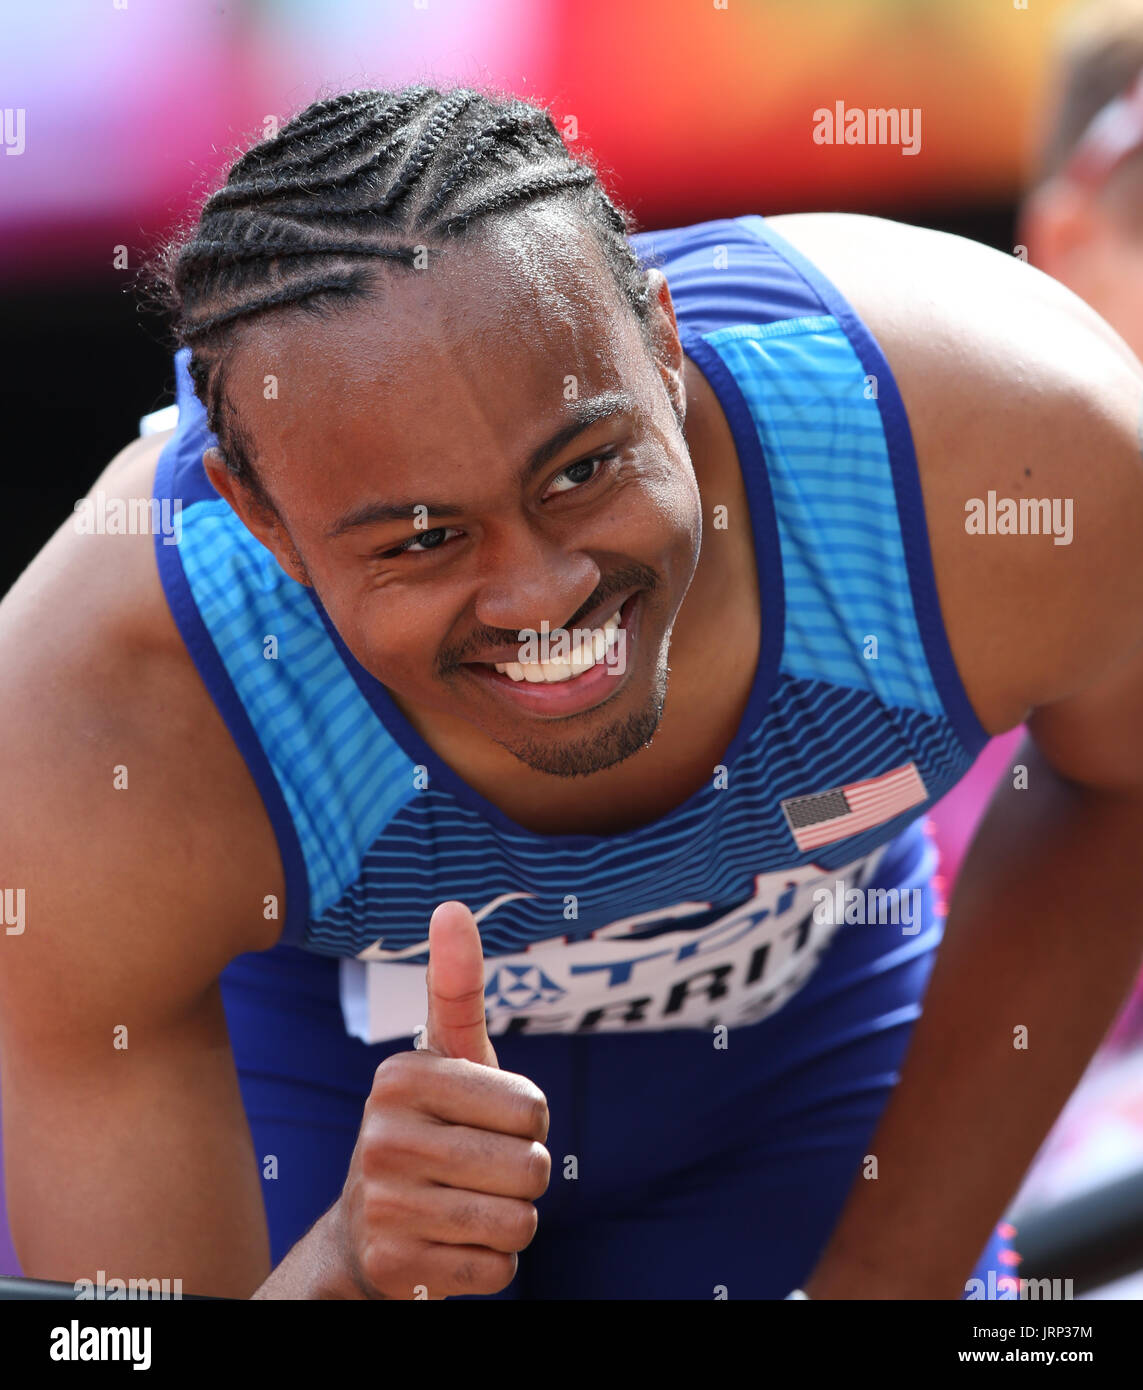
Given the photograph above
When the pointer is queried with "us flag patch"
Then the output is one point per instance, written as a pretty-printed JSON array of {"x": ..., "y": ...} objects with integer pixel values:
[{"x": 843, "y": 811}]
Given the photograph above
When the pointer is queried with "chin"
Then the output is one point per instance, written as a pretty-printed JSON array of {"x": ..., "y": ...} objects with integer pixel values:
[{"x": 568, "y": 754}]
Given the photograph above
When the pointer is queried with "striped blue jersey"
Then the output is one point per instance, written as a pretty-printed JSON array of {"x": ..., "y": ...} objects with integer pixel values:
[{"x": 856, "y": 723}]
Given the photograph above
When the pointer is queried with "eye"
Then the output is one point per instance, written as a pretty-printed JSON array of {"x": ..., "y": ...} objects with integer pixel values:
[
  {"x": 436, "y": 538},
  {"x": 430, "y": 540},
  {"x": 576, "y": 468}
]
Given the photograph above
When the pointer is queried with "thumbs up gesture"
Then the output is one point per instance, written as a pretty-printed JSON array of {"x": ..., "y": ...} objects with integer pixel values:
[
  {"x": 450, "y": 1157},
  {"x": 455, "y": 981}
]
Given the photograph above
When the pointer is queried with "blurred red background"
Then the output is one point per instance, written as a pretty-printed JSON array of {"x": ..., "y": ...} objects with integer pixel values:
[{"x": 695, "y": 109}]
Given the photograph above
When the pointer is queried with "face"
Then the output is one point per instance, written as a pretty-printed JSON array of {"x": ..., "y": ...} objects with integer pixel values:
[
  {"x": 484, "y": 448},
  {"x": 1082, "y": 240},
  {"x": 1117, "y": 291}
]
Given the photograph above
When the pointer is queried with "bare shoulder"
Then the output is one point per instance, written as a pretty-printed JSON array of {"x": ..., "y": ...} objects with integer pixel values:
[
  {"x": 938, "y": 294},
  {"x": 1013, "y": 387},
  {"x": 127, "y": 807}
]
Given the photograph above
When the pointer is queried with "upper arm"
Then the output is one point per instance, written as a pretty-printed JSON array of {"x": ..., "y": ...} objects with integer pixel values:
[
  {"x": 1047, "y": 627},
  {"x": 145, "y": 446},
  {"x": 1086, "y": 715},
  {"x": 126, "y": 1145},
  {"x": 1011, "y": 385}
]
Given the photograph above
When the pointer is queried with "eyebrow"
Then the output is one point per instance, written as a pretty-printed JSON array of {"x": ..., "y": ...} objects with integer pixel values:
[{"x": 584, "y": 414}]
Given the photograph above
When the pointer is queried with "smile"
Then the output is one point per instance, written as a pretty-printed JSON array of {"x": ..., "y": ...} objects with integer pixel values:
[
  {"x": 576, "y": 674},
  {"x": 583, "y": 649}
]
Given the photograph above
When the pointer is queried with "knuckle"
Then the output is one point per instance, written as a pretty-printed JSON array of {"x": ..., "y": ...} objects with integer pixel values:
[
  {"x": 467, "y": 1217},
  {"x": 533, "y": 1105},
  {"x": 488, "y": 1273},
  {"x": 393, "y": 1078},
  {"x": 539, "y": 1118},
  {"x": 380, "y": 1209},
  {"x": 379, "y": 1145},
  {"x": 525, "y": 1226},
  {"x": 503, "y": 1271},
  {"x": 539, "y": 1170}
]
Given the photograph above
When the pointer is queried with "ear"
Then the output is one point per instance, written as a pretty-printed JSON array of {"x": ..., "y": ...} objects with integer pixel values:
[
  {"x": 1061, "y": 225},
  {"x": 667, "y": 349},
  {"x": 259, "y": 519}
]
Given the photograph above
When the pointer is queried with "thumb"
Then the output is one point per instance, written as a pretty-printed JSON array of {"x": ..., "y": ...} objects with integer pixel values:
[{"x": 455, "y": 985}]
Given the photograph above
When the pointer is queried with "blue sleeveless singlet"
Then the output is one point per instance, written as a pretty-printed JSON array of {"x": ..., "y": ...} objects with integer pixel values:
[{"x": 857, "y": 721}]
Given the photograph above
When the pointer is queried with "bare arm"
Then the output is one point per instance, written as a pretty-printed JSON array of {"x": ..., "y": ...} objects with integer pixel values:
[
  {"x": 1040, "y": 951},
  {"x": 1042, "y": 943},
  {"x": 126, "y": 1144}
]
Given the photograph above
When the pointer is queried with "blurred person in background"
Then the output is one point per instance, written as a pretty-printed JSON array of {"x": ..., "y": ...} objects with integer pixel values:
[
  {"x": 1082, "y": 219},
  {"x": 1081, "y": 222}
]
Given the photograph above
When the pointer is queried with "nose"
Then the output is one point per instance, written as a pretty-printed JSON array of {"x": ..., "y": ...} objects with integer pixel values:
[{"x": 529, "y": 579}]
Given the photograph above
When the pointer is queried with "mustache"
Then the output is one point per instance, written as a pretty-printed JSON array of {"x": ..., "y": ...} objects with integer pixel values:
[{"x": 632, "y": 577}]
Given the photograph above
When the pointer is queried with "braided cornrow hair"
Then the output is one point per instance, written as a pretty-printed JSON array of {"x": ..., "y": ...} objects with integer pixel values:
[{"x": 305, "y": 218}]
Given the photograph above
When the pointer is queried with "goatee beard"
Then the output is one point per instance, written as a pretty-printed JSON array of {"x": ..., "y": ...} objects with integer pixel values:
[{"x": 594, "y": 752}]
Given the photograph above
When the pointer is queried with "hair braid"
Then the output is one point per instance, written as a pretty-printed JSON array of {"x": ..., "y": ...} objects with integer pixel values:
[
  {"x": 524, "y": 191},
  {"x": 434, "y": 133},
  {"x": 366, "y": 177}
]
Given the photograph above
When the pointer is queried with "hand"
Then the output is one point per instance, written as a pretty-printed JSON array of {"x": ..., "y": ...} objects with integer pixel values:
[{"x": 450, "y": 1156}]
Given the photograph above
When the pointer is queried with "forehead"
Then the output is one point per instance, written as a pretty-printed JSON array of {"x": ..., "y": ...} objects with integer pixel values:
[{"x": 474, "y": 353}]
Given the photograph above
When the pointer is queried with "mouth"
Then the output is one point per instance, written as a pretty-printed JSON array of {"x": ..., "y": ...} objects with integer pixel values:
[{"x": 580, "y": 679}]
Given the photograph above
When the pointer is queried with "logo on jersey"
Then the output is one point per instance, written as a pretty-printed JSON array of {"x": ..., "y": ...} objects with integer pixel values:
[
  {"x": 689, "y": 965},
  {"x": 520, "y": 987}
]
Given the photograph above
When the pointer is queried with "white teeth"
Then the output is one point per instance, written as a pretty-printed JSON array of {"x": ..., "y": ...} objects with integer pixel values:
[{"x": 582, "y": 658}]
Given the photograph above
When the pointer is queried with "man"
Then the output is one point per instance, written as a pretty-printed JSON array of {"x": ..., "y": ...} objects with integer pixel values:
[
  {"x": 1081, "y": 221},
  {"x": 1082, "y": 218},
  {"x": 774, "y": 471}
]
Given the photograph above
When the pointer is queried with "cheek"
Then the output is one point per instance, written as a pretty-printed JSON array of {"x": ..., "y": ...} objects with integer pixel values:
[
  {"x": 669, "y": 497},
  {"x": 394, "y": 639},
  {"x": 1118, "y": 297},
  {"x": 678, "y": 508},
  {"x": 657, "y": 519},
  {"x": 1128, "y": 320}
]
